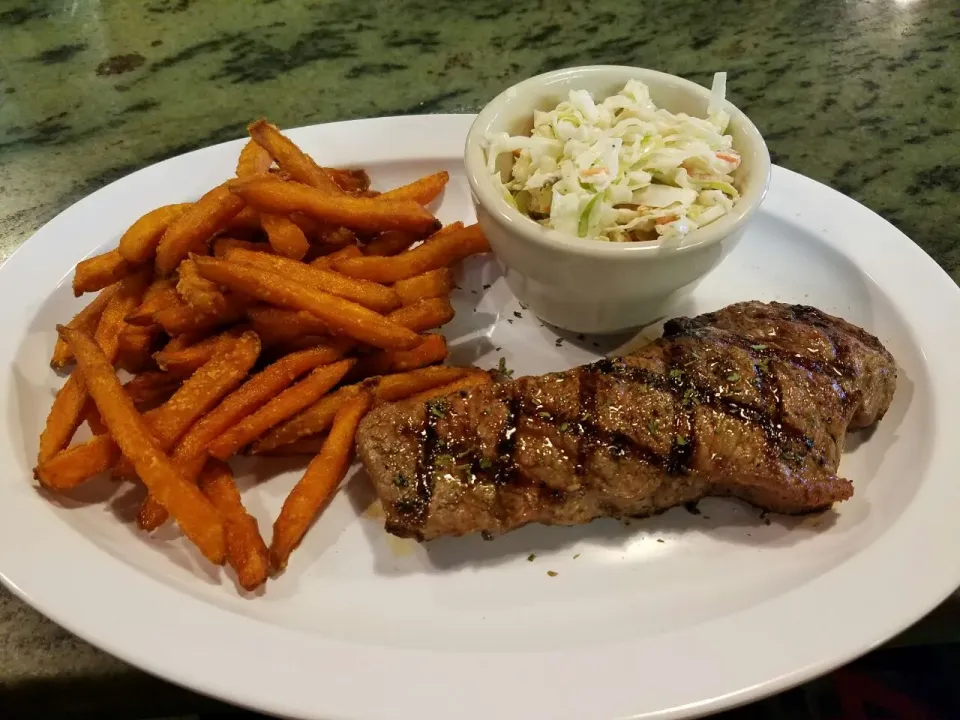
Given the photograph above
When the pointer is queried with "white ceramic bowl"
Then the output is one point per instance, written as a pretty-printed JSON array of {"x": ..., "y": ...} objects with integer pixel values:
[{"x": 594, "y": 286}]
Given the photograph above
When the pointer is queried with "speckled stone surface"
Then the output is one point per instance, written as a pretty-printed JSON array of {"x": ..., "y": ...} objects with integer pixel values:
[{"x": 859, "y": 94}]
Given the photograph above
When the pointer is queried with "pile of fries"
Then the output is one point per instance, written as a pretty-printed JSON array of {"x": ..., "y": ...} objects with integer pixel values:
[{"x": 268, "y": 316}]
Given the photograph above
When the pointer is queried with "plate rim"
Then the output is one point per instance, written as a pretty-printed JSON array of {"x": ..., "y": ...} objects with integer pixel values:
[{"x": 268, "y": 687}]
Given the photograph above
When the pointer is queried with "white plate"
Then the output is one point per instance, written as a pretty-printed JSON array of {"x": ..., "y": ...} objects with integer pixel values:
[{"x": 668, "y": 617}]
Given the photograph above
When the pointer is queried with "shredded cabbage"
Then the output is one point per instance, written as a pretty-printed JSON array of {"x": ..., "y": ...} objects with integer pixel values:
[{"x": 622, "y": 170}]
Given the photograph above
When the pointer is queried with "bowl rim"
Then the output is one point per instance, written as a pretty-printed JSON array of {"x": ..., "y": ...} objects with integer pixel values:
[{"x": 490, "y": 199}]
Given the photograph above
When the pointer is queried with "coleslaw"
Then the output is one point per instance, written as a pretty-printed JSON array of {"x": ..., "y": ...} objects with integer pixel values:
[{"x": 622, "y": 170}]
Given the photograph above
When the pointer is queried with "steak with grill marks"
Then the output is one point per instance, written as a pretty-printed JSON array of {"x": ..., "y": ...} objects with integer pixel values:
[{"x": 752, "y": 401}]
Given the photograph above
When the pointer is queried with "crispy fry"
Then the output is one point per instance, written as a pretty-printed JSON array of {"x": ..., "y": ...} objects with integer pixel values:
[
  {"x": 139, "y": 243},
  {"x": 149, "y": 389},
  {"x": 85, "y": 320},
  {"x": 197, "y": 518},
  {"x": 326, "y": 261},
  {"x": 222, "y": 244},
  {"x": 319, "y": 482},
  {"x": 189, "y": 359},
  {"x": 439, "y": 251},
  {"x": 473, "y": 379},
  {"x": 353, "y": 181},
  {"x": 246, "y": 551},
  {"x": 66, "y": 414},
  {"x": 431, "y": 284},
  {"x": 284, "y": 406},
  {"x": 274, "y": 325},
  {"x": 311, "y": 445},
  {"x": 330, "y": 238},
  {"x": 389, "y": 243},
  {"x": 342, "y": 316},
  {"x": 200, "y": 392},
  {"x": 100, "y": 271},
  {"x": 285, "y": 237},
  {"x": 199, "y": 292},
  {"x": 199, "y": 223},
  {"x": 311, "y": 421},
  {"x": 245, "y": 222},
  {"x": 370, "y": 295},
  {"x": 423, "y": 314},
  {"x": 253, "y": 160},
  {"x": 291, "y": 159},
  {"x": 432, "y": 349},
  {"x": 246, "y": 399},
  {"x": 367, "y": 214},
  {"x": 94, "y": 421},
  {"x": 76, "y": 464},
  {"x": 186, "y": 319},
  {"x": 424, "y": 190},
  {"x": 391, "y": 388},
  {"x": 134, "y": 347}
]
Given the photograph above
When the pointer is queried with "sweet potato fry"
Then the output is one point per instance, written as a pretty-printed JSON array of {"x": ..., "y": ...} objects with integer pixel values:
[
  {"x": 474, "y": 378},
  {"x": 284, "y": 236},
  {"x": 391, "y": 388},
  {"x": 423, "y": 314},
  {"x": 319, "y": 482},
  {"x": 342, "y": 316},
  {"x": 330, "y": 238},
  {"x": 100, "y": 271},
  {"x": 85, "y": 320},
  {"x": 134, "y": 347},
  {"x": 274, "y": 325},
  {"x": 243, "y": 401},
  {"x": 246, "y": 551},
  {"x": 253, "y": 160},
  {"x": 311, "y": 421},
  {"x": 203, "y": 390},
  {"x": 389, "y": 243},
  {"x": 76, "y": 464},
  {"x": 424, "y": 190},
  {"x": 436, "y": 252},
  {"x": 189, "y": 359},
  {"x": 197, "y": 224},
  {"x": 186, "y": 319},
  {"x": 195, "y": 514},
  {"x": 431, "y": 284},
  {"x": 432, "y": 349},
  {"x": 244, "y": 223},
  {"x": 66, "y": 414},
  {"x": 291, "y": 159},
  {"x": 139, "y": 243},
  {"x": 222, "y": 244},
  {"x": 352, "y": 181},
  {"x": 370, "y": 295},
  {"x": 284, "y": 406},
  {"x": 149, "y": 389},
  {"x": 311, "y": 445},
  {"x": 199, "y": 292},
  {"x": 327, "y": 261},
  {"x": 367, "y": 214}
]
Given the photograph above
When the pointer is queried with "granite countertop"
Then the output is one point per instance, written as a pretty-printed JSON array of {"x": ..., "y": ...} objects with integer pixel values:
[{"x": 858, "y": 94}]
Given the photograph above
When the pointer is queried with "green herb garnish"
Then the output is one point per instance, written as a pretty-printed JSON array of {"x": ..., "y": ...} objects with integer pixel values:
[
  {"x": 653, "y": 427},
  {"x": 552, "y": 573},
  {"x": 681, "y": 440},
  {"x": 676, "y": 373},
  {"x": 759, "y": 346},
  {"x": 401, "y": 480},
  {"x": 564, "y": 427},
  {"x": 503, "y": 369},
  {"x": 437, "y": 408},
  {"x": 485, "y": 463},
  {"x": 543, "y": 414},
  {"x": 531, "y": 557},
  {"x": 733, "y": 377},
  {"x": 764, "y": 364}
]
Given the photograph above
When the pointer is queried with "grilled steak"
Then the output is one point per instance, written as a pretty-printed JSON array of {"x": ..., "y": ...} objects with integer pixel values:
[{"x": 752, "y": 401}]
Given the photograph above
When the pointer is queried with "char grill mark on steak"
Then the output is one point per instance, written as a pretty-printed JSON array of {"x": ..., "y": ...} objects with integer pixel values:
[{"x": 465, "y": 458}]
